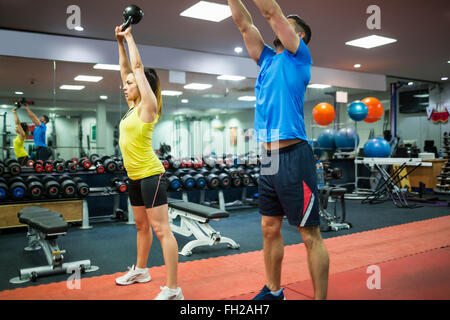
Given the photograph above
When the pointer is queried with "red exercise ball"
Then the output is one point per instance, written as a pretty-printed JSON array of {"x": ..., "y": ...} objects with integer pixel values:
[
  {"x": 323, "y": 114},
  {"x": 375, "y": 109}
]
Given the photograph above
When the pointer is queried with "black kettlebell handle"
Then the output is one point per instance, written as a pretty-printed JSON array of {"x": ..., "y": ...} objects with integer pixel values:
[{"x": 132, "y": 15}]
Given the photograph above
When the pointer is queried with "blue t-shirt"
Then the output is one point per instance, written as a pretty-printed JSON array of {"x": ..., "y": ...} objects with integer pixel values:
[
  {"x": 39, "y": 135},
  {"x": 280, "y": 92}
]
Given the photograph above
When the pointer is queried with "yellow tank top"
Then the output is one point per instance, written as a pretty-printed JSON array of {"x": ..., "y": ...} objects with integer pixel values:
[
  {"x": 19, "y": 149},
  {"x": 135, "y": 143}
]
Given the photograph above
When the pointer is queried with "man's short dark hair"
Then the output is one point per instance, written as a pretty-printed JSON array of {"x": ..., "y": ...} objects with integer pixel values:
[
  {"x": 303, "y": 26},
  {"x": 45, "y": 118}
]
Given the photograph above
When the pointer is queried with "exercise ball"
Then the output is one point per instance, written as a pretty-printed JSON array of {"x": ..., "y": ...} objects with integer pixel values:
[
  {"x": 346, "y": 138},
  {"x": 375, "y": 109},
  {"x": 326, "y": 139},
  {"x": 323, "y": 114},
  {"x": 377, "y": 148},
  {"x": 358, "y": 111},
  {"x": 315, "y": 146}
]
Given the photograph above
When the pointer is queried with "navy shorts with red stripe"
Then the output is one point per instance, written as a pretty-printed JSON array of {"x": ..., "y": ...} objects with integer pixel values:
[
  {"x": 150, "y": 192},
  {"x": 288, "y": 185}
]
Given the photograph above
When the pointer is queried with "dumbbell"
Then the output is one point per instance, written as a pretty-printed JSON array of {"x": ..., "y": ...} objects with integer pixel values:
[
  {"x": 119, "y": 163},
  {"x": 97, "y": 162},
  {"x": 212, "y": 179},
  {"x": 59, "y": 165},
  {"x": 4, "y": 190},
  {"x": 68, "y": 186},
  {"x": 224, "y": 180},
  {"x": 186, "y": 179},
  {"x": 84, "y": 163},
  {"x": 210, "y": 162},
  {"x": 71, "y": 166},
  {"x": 35, "y": 188},
  {"x": 165, "y": 164},
  {"x": 109, "y": 164},
  {"x": 200, "y": 181},
  {"x": 82, "y": 187},
  {"x": 48, "y": 166},
  {"x": 13, "y": 166},
  {"x": 174, "y": 163},
  {"x": 245, "y": 180},
  {"x": 236, "y": 182},
  {"x": 17, "y": 187},
  {"x": 174, "y": 181},
  {"x": 119, "y": 184},
  {"x": 232, "y": 172},
  {"x": 38, "y": 166},
  {"x": 51, "y": 186},
  {"x": 2, "y": 168}
]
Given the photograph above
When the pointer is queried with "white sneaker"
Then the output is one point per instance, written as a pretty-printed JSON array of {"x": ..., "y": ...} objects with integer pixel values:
[
  {"x": 133, "y": 276},
  {"x": 170, "y": 294}
]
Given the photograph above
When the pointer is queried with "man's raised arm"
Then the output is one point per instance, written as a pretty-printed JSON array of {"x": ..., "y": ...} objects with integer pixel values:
[{"x": 252, "y": 37}]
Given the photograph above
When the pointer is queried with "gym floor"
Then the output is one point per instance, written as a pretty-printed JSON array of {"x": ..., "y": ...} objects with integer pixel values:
[{"x": 409, "y": 245}]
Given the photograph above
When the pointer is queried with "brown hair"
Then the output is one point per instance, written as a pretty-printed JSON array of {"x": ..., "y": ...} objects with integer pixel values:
[{"x": 153, "y": 80}]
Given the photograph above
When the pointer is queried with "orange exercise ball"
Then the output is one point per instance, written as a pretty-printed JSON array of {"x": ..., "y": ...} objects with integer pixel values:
[
  {"x": 323, "y": 114},
  {"x": 375, "y": 109}
]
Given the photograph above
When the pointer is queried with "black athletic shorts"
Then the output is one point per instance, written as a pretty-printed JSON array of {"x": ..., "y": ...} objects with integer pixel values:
[
  {"x": 292, "y": 189},
  {"x": 149, "y": 192}
]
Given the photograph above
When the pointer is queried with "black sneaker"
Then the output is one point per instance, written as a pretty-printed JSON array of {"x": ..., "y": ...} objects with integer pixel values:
[{"x": 266, "y": 294}]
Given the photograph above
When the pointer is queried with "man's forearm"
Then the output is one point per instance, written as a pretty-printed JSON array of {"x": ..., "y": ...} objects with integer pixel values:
[
  {"x": 240, "y": 14},
  {"x": 33, "y": 117},
  {"x": 267, "y": 7}
]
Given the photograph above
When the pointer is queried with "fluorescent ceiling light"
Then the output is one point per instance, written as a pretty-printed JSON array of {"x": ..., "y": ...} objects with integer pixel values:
[
  {"x": 171, "y": 93},
  {"x": 410, "y": 83},
  {"x": 357, "y": 65},
  {"x": 444, "y": 78},
  {"x": 238, "y": 49},
  {"x": 18, "y": 92},
  {"x": 370, "y": 42},
  {"x": 247, "y": 98},
  {"x": 198, "y": 86},
  {"x": 71, "y": 87},
  {"x": 184, "y": 101},
  {"x": 318, "y": 86},
  {"x": 207, "y": 11},
  {"x": 114, "y": 67},
  {"x": 4, "y": 106},
  {"x": 212, "y": 95},
  {"x": 79, "y": 28},
  {"x": 104, "y": 97},
  {"x": 88, "y": 78},
  {"x": 425, "y": 95},
  {"x": 231, "y": 78}
]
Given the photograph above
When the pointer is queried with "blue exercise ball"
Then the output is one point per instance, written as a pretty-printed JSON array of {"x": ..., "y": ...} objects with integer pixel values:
[
  {"x": 358, "y": 111},
  {"x": 346, "y": 138},
  {"x": 326, "y": 139},
  {"x": 377, "y": 148},
  {"x": 316, "y": 147}
]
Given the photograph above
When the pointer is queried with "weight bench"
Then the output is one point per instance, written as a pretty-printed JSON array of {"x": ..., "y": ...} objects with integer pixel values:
[
  {"x": 44, "y": 227},
  {"x": 195, "y": 221},
  {"x": 332, "y": 221}
]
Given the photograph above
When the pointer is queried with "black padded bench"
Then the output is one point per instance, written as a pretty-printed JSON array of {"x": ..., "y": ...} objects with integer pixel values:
[
  {"x": 44, "y": 227},
  {"x": 195, "y": 221}
]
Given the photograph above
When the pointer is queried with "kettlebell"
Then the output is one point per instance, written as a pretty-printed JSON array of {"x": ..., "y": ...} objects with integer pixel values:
[{"x": 132, "y": 15}]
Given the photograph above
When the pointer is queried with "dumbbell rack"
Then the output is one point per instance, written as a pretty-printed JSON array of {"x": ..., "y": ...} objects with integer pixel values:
[{"x": 443, "y": 187}]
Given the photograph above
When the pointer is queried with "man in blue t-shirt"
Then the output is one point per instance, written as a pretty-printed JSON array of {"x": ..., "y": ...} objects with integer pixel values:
[
  {"x": 39, "y": 134},
  {"x": 287, "y": 184}
]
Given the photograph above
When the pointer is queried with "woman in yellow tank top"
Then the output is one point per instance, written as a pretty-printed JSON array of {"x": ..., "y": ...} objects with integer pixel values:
[
  {"x": 148, "y": 186},
  {"x": 22, "y": 133}
]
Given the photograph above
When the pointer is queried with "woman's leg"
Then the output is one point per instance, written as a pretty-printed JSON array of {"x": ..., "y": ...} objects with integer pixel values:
[
  {"x": 159, "y": 221},
  {"x": 144, "y": 236}
]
